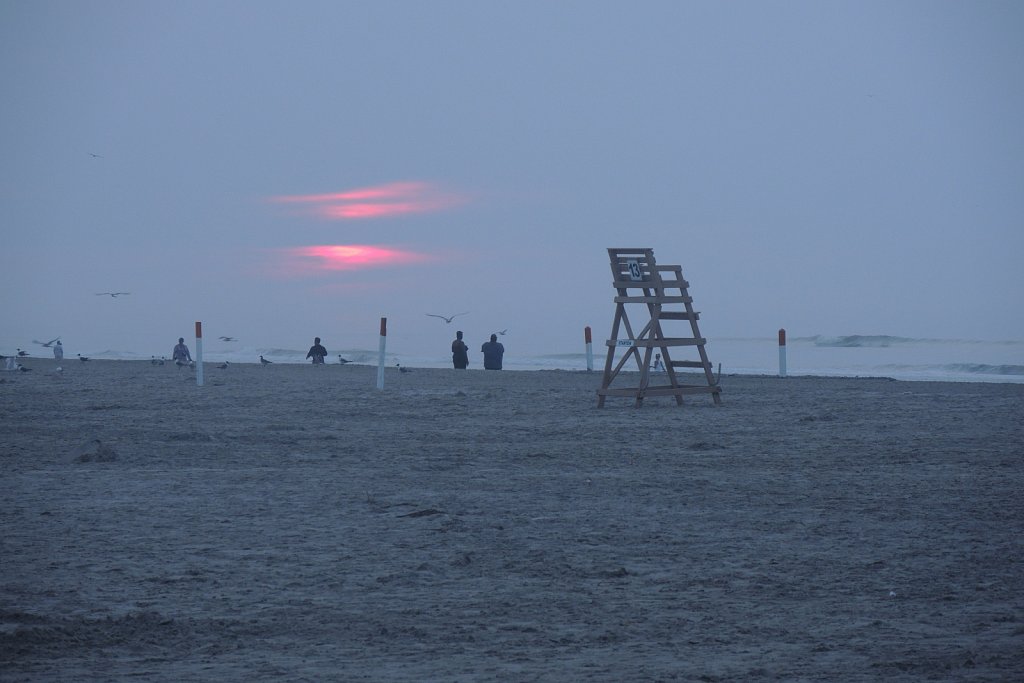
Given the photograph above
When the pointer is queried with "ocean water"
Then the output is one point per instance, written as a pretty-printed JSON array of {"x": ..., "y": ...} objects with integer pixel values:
[{"x": 958, "y": 360}]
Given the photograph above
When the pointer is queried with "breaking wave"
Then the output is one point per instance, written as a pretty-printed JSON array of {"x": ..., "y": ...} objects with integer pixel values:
[
  {"x": 887, "y": 340},
  {"x": 984, "y": 369},
  {"x": 860, "y": 340}
]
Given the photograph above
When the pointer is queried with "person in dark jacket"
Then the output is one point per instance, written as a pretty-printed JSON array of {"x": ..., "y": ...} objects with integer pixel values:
[
  {"x": 460, "y": 352},
  {"x": 317, "y": 352},
  {"x": 493, "y": 352}
]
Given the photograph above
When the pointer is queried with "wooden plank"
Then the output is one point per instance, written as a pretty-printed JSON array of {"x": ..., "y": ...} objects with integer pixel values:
[
  {"x": 679, "y": 315},
  {"x": 653, "y": 300},
  {"x": 646, "y": 283},
  {"x": 687, "y": 364},
  {"x": 656, "y": 343}
]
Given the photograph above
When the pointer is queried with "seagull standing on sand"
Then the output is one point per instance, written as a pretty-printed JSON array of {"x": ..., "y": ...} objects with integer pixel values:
[
  {"x": 342, "y": 361},
  {"x": 82, "y": 358},
  {"x": 113, "y": 295},
  {"x": 265, "y": 362},
  {"x": 447, "y": 318},
  {"x": 23, "y": 353}
]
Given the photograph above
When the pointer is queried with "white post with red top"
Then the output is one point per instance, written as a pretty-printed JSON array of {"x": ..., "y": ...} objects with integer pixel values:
[
  {"x": 782, "y": 353},
  {"x": 383, "y": 343},
  {"x": 199, "y": 354},
  {"x": 590, "y": 348}
]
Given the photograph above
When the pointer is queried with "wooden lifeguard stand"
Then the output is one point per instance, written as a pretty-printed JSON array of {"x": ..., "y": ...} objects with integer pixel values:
[{"x": 639, "y": 281}]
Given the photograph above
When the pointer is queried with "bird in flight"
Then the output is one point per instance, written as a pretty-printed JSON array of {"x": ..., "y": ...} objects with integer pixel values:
[
  {"x": 95, "y": 156},
  {"x": 228, "y": 339},
  {"x": 46, "y": 344},
  {"x": 447, "y": 318},
  {"x": 111, "y": 294},
  {"x": 503, "y": 332}
]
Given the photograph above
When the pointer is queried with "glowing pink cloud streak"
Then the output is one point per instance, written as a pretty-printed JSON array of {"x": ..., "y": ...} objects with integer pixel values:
[
  {"x": 349, "y": 257},
  {"x": 390, "y": 199}
]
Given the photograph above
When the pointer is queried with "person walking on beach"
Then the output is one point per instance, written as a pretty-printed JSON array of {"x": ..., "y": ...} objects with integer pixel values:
[
  {"x": 181, "y": 355},
  {"x": 460, "y": 352},
  {"x": 317, "y": 352},
  {"x": 58, "y": 352},
  {"x": 493, "y": 352}
]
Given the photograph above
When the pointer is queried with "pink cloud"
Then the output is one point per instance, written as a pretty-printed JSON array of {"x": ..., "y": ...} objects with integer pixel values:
[
  {"x": 390, "y": 199},
  {"x": 331, "y": 257}
]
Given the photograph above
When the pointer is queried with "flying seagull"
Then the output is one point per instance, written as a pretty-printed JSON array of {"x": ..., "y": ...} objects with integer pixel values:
[
  {"x": 95, "y": 156},
  {"x": 446, "y": 318},
  {"x": 228, "y": 339},
  {"x": 503, "y": 332},
  {"x": 111, "y": 294},
  {"x": 46, "y": 344}
]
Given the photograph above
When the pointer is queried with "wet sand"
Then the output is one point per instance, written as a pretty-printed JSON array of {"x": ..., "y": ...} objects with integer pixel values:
[{"x": 293, "y": 523}]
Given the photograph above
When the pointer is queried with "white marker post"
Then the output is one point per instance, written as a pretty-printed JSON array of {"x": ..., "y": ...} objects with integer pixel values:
[
  {"x": 199, "y": 354},
  {"x": 590, "y": 348},
  {"x": 782, "y": 353},
  {"x": 383, "y": 343}
]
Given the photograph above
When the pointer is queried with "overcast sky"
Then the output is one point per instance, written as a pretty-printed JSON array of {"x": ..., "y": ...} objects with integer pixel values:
[{"x": 280, "y": 170}]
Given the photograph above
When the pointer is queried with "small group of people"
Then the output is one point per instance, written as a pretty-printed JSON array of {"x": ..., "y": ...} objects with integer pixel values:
[
  {"x": 181, "y": 355},
  {"x": 493, "y": 351}
]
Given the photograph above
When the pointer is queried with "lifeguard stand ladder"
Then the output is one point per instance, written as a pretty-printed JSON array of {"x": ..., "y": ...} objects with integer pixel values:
[{"x": 636, "y": 270}]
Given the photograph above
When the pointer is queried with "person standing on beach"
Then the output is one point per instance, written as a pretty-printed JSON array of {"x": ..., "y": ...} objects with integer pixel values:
[
  {"x": 460, "y": 352},
  {"x": 58, "y": 352},
  {"x": 317, "y": 352},
  {"x": 493, "y": 352},
  {"x": 181, "y": 355}
]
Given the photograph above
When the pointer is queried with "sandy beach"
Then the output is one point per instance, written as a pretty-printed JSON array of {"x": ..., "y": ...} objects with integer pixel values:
[{"x": 293, "y": 523}]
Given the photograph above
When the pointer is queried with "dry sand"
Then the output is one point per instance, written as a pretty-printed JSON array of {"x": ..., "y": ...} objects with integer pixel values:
[{"x": 292, "y": 523}]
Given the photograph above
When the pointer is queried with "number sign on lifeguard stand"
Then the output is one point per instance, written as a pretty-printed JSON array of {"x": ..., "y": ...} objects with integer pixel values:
[{"x": 635, "y": 269}]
